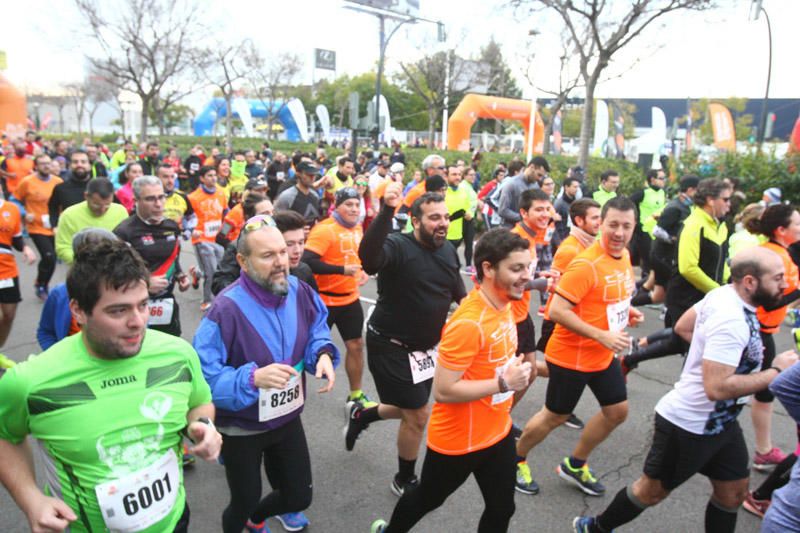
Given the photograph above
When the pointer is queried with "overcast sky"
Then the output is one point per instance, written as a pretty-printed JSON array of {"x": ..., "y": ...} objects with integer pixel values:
[{"x": 716, "y": 54}]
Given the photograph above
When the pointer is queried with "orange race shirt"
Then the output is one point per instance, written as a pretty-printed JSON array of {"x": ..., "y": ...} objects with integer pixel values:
[
  {"x": 10, "y": 227},
  {"x": 520, "y": 308},
  {"x": 235, "y": 219},
  {"x": 567, "y": 250},
  {"x": 336, "y": 245},
  {"x": 20, "y": 167},
  {"x": 601, "y": 287},
  {"x": 415, "y": 192},
  {"x": 771, "y": 320},
  {"x": 478, "y": 340},
  {"x": 34, "y": 195},
  {"x": 209, "y": 209}
]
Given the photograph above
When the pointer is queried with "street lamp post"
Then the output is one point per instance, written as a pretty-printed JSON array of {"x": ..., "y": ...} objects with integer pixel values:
[{"x": 758, "y": 9}]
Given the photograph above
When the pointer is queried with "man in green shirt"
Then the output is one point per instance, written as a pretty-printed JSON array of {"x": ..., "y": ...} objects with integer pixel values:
[
  {"x": 457, "y": 201},
  {"x": 97, "y": 211},
  {"x": 609, "y": 181},
  {"x": 107, "y": 407}
]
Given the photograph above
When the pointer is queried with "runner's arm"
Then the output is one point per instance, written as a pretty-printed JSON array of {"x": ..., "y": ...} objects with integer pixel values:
[
  {"x": 689, "y": 260},
  {"x": 561, "y": 313},
  {"x": 786, "y": 387},
  {"x": 684, "y": 327},
  {"x": 314, "y": 260},
  {"x": 721, "y": 382},
  {"x": 372, "y": 251},
  {"x": 504, "y": 205},
  {"x": 448, "y": 387},
  {"x": 319, "y": 341}
]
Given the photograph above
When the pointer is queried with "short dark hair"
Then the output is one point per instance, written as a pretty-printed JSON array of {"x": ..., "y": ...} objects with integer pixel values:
[
  {"x": 607, "y": 174},
  {"x": 38, "y": 157},
  {"x": 540, "y": 161},
  {"x": 709, "y": 188},
  {"x": 288, "y": 220},
  {"x": 652, "y": 173},
  {"x": 101, "y": 187},
  {"x": 110, "y": 264},
  {"x": 164, "y": 165},
  {"x": 344, "y": 160},
  {"x": 249, "y": 204},
  {"x": 426, "y": 198},
  {"x": 76, "y": 151},
  {"x": 494, "y": 246},
  {"x": 529, "y": 196},
  {"x": 153, "y": 143},
  {"x": 514, "y": 167},
  {"x": 569, "y": 181},
  {"x": 579, "y": 208},
  {"x": 205, "y": 169},
  {"x": 620, "y": 203},
  {"x": 688, "y": 182}
]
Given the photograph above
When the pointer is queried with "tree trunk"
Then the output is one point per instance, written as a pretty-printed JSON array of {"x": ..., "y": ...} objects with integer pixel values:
[
  {"x": 91, "y": 122},
  {"x": 228, "y": 122},
  {"x": 144, "y": 119},
  {"x": 586, "y": 122},
  {"x": 432, "y": 126}
]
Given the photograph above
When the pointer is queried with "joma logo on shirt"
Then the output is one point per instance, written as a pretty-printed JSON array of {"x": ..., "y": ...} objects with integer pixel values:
[{"x": 108, "y": 383}]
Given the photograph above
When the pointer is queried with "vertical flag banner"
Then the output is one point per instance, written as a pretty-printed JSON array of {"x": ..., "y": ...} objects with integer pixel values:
[
  {"x": 794, "y": 138},
  {"x": 722, "y": 126},
  {"x": 619, "y": 130},
  {"x": 689, "y": 134},
  {"x": 557, "y": 139},
  {"x": 600, "y": 129}
]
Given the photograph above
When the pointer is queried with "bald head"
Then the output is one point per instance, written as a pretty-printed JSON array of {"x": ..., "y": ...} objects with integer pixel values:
[
  {"x": 264, "y": 259},
  {"x": 758, "y": 276}
]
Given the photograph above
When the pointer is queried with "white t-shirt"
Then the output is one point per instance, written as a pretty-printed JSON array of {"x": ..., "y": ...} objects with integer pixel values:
[{"x": 726, "y": 331}]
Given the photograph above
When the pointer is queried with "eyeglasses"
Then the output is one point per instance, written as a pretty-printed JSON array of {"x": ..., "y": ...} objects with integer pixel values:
[
  {"x": 258, "y": 222},
  {"x": 154, "y": 198},
  {"x": 726, "y": 199}
]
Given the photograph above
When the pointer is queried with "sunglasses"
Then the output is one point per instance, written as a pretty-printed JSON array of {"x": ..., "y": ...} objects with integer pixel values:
[
  {"x": 362, "y": 183},
  {"x": 258, "y": 222}
]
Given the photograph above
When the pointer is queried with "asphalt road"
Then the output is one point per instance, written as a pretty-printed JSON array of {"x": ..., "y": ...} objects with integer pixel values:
[{"x": 352, "y": 488}]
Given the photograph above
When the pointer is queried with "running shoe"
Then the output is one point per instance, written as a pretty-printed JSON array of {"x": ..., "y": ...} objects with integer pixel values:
[
  {"x": 766, "y": 462},
  {"x": 354, "y": 427},
  {"x": 362, "y": 400},
  {"x": 540, "y": 312},
  {"x": 41, "y": 292},
  {"x": 626, "y": 367},
  {"x": 256, "y": 528},
  {"x": 756, "y": 507},
  {"x": 378, "y": 526},
  {"x": 188, "y": 458},
  {"x": 399, "y": 488},
  {"x": 574, "y": 422},
  {"x": 796, "y": 337},
  {"x": 195, "y": 277},
  {"x": 584, "y": 524},
  {"x": 293, "y": 521},
  {"x": 5, "y": 362},
  {"x": 581, "y": 477},
  {"x": 525, "y": 483}
]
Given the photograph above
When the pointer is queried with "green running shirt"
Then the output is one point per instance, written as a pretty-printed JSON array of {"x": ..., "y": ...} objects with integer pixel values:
[{"x": 113, "y": 423}]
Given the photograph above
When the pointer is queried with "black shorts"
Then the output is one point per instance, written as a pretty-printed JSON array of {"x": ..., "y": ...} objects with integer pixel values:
[
  {"x": 526, "y": 336},
  {"x": 391, "y": 371},
  {"x": 565, "y": 387},
  {"x": 11, "y": 295},
  {"x": 348, "y": 318},
  {"x": 548, "y": 326},
  {"x": 662, "y": 269},
  {"x": 768, "y": 341},
  {"x": 676, "y": 454}
]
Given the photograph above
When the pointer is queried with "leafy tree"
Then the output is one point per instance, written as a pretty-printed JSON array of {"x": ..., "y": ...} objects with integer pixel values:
[
  {"x": 501, "y": 82},
  {"x": 172, "y": 116}
]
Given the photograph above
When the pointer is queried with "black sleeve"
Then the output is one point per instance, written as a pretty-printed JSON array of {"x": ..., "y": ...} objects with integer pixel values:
[
  {"x": 318, "y": 267},
  {"x": 371, "y": 250},
  {"x": 227, "y": 271},
  {"x": 18, "y": 243},
  {"x": 669, "y": 220},
  {"x": 786, "y": 299},
  {"x": 52, "y": 206},
  {"x": 222, "y": 234},
  {"x": 637, "y": 198}
]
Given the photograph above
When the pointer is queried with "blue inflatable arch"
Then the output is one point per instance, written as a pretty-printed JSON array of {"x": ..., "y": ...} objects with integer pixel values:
[{"x": 216, "y": 109}]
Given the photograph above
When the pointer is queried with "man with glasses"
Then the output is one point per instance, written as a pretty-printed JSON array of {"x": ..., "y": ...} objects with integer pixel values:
[
  {"x": 508, "y": 205},
  {"x": 301, "y": 198},
  {"x": 157, "y": 239},
  {"x": 258, "y": 338}
]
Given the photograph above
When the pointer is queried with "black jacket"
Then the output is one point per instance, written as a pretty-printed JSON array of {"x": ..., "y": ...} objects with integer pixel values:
[{"x": 65, "y": 195}]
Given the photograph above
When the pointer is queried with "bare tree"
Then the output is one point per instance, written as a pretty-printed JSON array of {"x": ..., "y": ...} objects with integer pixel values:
[
  {"x": 225, "y": 66},
  {"x": 141, "y": 44},
  {"x": 77, "y": 95},
  {"x": 98, "y": 91},
  {"x": 611, "y": 29},
  {"x": 170, "y": 95},
  {"x": 271, "y": 82}
]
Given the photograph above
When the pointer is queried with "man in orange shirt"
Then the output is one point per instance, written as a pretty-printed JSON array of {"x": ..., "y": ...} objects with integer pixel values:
[
  {"x": 10, "y": 237},
  {"x": 15, "y": 167},
  {"x": 234, "y": 220},
  {"x": 591, "y": 308},
  {"x": 332, "y": 253},
  {"x": 34, "y": 192},
  {"x": 209, "y": 205},
  {"x": 476, "y": 375}
]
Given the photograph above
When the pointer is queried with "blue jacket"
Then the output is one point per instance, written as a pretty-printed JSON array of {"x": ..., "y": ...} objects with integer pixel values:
[
  {"x": 249, "y": 328},
  {"x": 56, "y": 317}
]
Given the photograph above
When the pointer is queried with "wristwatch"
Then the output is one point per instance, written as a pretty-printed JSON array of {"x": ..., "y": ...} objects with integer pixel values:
[{"x": 207, "y": 421}]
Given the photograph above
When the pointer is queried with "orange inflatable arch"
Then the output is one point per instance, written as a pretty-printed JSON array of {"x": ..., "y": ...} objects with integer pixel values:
[
  {"x": 13, "y": 111},
  {"x": 475, "y": 106}
]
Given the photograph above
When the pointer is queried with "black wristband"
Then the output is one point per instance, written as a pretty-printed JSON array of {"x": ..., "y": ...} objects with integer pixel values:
[{"x": 775, "y": 368}]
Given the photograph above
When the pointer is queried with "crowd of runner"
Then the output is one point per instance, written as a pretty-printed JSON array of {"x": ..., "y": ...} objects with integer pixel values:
[{"x": 283, "y": 244}]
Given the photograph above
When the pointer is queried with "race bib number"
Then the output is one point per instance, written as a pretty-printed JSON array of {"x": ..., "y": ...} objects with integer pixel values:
[
  {"x": 6, "y": 283},
  {"x": 422, "y": 364},
  {"x": 618, "y": 315},
  {"x": 281, "y": 176},
  {"x": 211, "y": 228},
  {"x": 194, "y": 167},
  {"x": 500, "y": 397},
  {"x": 161, "y": 312},
  {"x": 274, "y": 403},
  {"x": 46, "y": 222},
  {"x": 744, "y": 400},
  {"x": 548, "y": 234},
  {"x": 141, "y": 499}
]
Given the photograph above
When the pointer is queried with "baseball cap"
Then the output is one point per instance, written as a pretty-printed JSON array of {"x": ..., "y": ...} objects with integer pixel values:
[
  {"x": 344, "y": 194},
  {"x": 382, "y": 163},
  {"x": 307, "y": 168},
  {"x": 397, "y": 167},
  {"x": 256, "y": 183},
  {"x": 774, "y": 195}
]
